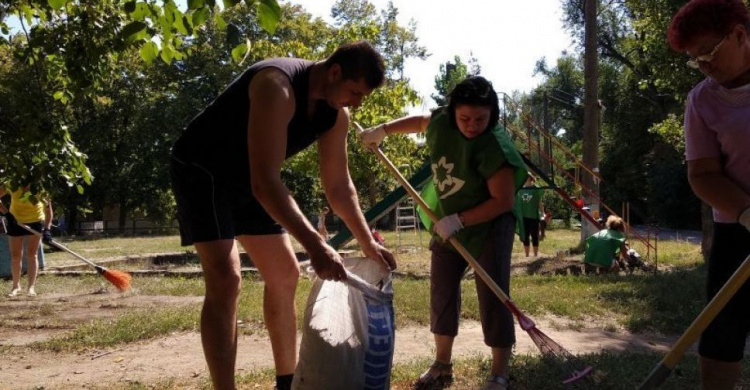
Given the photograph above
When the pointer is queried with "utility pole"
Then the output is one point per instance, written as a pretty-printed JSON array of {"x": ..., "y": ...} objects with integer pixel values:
[{"x": 590, "y": 116}]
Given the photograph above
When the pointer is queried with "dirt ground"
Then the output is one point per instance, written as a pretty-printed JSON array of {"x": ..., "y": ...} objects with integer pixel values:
[{"x": 180, "y": 355}]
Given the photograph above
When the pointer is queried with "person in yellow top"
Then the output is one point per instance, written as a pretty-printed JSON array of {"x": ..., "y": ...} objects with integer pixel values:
[{"x": 35, "y": 213}]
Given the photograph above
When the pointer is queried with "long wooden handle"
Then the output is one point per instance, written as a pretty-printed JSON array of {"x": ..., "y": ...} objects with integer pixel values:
[
  {"x": 57, "y": 245},
  {"x": 434, "y": 218},
  {"x": 664, "y": 368}
]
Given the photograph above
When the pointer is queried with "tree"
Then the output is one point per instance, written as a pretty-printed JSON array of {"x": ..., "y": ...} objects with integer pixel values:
[
  {"x": 643, "y": 83},
  {"x": 70, "y": 47},
  {"x": 591, "y": 110},
  {"x": 450, "y": 74}
]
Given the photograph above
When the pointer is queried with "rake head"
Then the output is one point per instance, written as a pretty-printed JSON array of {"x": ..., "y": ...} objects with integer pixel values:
[
  {"x": 119, "y": 279},
  {"x": 573, "y": 368}
]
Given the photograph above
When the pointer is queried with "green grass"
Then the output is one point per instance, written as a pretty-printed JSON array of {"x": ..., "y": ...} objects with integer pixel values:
[
  {"x": 665, "y": 302},
  {"x": 128, "y": 327}
]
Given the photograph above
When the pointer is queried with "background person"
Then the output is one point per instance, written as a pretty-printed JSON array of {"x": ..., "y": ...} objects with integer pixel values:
[
  {"x": 476, "y": 172},
  {"x": 605, "y": 248},
  {"x": 226, "y": 174},
  {"x": 529, "y": 199},
  {"x": 544, "y": 220},
  {"x": 714, "y": 34},
  {"x": 36, "y": 214}
]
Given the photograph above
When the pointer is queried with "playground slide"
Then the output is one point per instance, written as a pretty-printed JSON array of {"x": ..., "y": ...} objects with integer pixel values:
[{"x": 388, "y": 203}]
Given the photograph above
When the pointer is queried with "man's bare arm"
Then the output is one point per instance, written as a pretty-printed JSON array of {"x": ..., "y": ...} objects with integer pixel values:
[
  {"x": 271, "y": 109},
  {"x": 339, "y": 188}
]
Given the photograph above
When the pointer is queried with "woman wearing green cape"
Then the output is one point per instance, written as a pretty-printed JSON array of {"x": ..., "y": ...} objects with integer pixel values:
[{"x": 476, "y": 173}]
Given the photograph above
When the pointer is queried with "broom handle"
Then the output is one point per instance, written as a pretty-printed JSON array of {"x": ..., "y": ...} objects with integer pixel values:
[
  {"x": 434, "y": 218},
  {"x": 662, "y": 370},
  {"x": 58, "y": 245}
]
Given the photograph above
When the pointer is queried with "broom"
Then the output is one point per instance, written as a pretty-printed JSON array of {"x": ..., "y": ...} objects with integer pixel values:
[
  {"x": 664, "y": 368},
  {"x": 549, "y": 348},
  {"x": 119, "y": 279}
]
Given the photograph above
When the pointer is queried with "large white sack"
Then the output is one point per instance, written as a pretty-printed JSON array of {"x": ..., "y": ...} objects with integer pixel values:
[{"x": 348, "y": 333}]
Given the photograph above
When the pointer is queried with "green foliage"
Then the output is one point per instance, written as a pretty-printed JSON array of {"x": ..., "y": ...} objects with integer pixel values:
[
  {"x": 642, "y": 86},
  {"x": 671, "y": 131},
  {"x": 450, "y": 74},
  {"x": 119, "y": 81},
  {"x": 63, "y": 61}
]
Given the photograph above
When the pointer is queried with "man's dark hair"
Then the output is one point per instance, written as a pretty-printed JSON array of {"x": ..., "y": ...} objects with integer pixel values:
[
  {"x": 359, "y": 60},
  {"x": 474, "y": 91}
]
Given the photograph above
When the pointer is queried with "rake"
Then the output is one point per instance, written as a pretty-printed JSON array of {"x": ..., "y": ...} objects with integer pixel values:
[
  {"x": 119, "y": 279},
  {"x": 662, "y": 371},
  {"x": 551, "y": 351}
]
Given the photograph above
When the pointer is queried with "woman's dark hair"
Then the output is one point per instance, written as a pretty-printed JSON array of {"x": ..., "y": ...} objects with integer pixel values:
[
  {"x": 701, "y": 17},
  {"x": 359, "y": 60},
  {"x": 474, "y": 91}
]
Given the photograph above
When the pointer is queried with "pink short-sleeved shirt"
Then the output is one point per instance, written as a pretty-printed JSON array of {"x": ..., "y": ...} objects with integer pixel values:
[{"x": 717, "y": 125}]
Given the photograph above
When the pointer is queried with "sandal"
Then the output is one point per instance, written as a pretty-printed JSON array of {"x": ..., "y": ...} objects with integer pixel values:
[
  {"x": 430, "y": 381},
  {"x": 496, "y": 382}
]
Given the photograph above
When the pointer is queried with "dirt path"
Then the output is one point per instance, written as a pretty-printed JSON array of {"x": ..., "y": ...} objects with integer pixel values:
[{"x": 181, "y": 356}]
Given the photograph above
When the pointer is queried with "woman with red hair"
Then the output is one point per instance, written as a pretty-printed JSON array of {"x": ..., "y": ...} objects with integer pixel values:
[{"x": 714, "y": 34}]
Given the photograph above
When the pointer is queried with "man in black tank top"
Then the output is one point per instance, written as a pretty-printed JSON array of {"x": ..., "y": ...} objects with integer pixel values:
[{"x": 226, "y": 175}]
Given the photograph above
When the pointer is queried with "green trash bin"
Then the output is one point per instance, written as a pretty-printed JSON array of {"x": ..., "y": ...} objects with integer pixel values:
[{"x": 5, "y": 257}]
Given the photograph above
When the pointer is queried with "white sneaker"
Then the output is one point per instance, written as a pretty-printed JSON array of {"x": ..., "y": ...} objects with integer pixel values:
[
  {"x": 14, "y": 292},
  {"x": 32, "y": 292}
]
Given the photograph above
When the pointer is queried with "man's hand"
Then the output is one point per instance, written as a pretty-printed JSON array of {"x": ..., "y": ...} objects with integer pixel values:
[
  {"x": 46, "y": 236},
  {"x": 446, "y": 227},
  {"x": 373, "y": 137},
  {"x": 745, "y": 218},
  {"x": 378, "y": 253},
  {"x": 327, "y": 264}
]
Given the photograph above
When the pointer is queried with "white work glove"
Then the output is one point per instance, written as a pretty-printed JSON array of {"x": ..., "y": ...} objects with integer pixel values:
[
  {"x": 745, "y": 218},
  {"x": 372, "y": 137},
  {"x": 446, "y": 227}
]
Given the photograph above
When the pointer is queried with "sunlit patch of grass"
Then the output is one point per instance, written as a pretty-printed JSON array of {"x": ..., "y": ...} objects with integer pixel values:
[{"x": 129, "y": 327}]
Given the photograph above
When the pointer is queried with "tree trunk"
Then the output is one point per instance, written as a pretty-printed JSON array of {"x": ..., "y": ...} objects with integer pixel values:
[
  {"x": 591, "y": 112},
  {"x": 707, "y": 227}
]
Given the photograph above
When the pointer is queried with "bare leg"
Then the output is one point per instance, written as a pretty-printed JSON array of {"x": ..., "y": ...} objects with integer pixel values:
[
  {"x": 32, "y": 263},
  {"x": 221, "y": 271},
  {"x": 443, "y": 348},
  {"x": 275, "y": 259},
  {"x": 717, "y": 375},
  {"x": 500, "y": 361},
  {"x": 16, "y": 254}
]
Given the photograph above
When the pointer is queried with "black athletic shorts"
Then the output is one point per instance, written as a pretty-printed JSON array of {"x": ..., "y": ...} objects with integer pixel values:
[
  {"x": 14, "y": 230},
  {"x": 724, "y": 339},
  {"x": 210, "y": 209}
]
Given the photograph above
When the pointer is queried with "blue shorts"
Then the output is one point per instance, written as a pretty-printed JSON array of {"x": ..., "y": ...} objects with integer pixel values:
[
  {"x": 210, "y": 209},
  {"x": 724, "y": 339}
]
